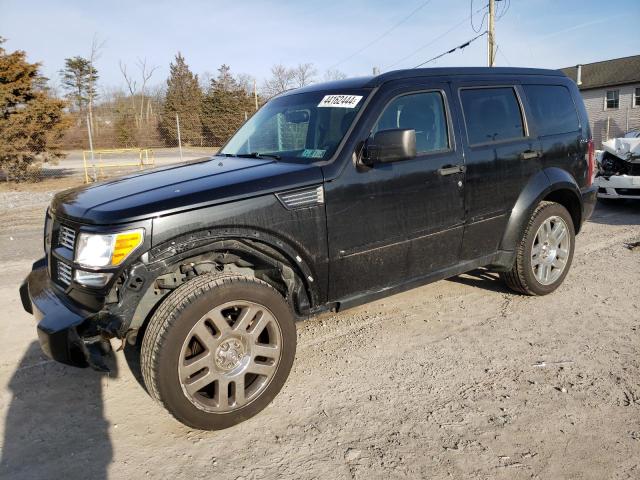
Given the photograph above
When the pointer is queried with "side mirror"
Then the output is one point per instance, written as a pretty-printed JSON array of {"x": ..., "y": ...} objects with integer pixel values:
[{"x": 390, "y": 146}]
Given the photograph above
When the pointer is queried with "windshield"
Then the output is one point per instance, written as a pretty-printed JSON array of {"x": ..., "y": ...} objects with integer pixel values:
[{"x": 305, "y": 126}]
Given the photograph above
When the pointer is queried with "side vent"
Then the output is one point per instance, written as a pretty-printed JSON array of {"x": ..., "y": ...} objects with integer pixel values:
[{"x": 304, "y": 198}]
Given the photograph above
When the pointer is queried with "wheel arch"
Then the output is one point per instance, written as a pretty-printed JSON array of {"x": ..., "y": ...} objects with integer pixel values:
[
  {"x": 240, "y": 249},
  {"x": 551, "y": 184}
]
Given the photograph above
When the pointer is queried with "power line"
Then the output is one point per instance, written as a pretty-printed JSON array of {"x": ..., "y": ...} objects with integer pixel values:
[
  {"x": 502, "y": 53},
  {"x": 505, "y": 9},
  {"x": 459, "y": 47},
  {"x": 384, "y": 34},
  {"x": 477, "y": 30},
  {"x": 434, "y": 40}
]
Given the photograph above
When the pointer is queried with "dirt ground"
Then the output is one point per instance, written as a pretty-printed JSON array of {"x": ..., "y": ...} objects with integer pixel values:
[{"x": 457, "y": 379}]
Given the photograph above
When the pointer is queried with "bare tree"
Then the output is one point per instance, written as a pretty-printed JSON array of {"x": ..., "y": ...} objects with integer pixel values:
[
  {"x": 334, "y": 74},
  {"x": 204, "y": 79},
  {"x": 97, "y": 46},
  {"x": 146, "y": 72},
  {"x": 246, "y": 82},
  {"x": 304, "y": 74},
  {"x": 282, "y": 79},
  {"x": 132, "y": 85}
]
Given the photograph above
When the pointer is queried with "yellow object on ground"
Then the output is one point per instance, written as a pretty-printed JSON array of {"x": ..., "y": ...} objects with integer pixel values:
[{"x": 133, "y": 157}]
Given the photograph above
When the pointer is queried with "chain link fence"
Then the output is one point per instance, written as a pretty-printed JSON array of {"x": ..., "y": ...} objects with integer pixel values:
[{"x": 112, "y": 142}]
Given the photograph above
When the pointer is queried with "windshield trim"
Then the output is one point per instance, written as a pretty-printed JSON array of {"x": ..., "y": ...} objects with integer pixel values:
[{"x": 369, "y": 94}]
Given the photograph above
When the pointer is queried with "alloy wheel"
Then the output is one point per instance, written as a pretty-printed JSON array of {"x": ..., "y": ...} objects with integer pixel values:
[
  {"x": 229, "y": 356},
  {"x": 550, "y": 250}
]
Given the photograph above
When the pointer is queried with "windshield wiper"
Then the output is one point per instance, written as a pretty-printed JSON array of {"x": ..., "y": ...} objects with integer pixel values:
[{"x": 259, "y": 155}]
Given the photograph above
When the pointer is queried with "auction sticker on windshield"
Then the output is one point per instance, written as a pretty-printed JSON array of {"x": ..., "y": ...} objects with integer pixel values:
[{"x": 340, "y": 101}]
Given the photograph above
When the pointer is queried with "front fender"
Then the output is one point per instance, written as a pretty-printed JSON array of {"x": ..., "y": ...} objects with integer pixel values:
[{"x": 139, "y": 296}]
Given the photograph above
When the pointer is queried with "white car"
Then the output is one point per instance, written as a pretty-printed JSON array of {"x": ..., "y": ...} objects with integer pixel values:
[{"x": 618, "y": 174}]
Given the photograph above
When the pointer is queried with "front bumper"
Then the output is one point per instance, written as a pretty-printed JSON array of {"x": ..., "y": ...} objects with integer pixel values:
[
  {"x": 618, "y": 186},
  {"x": 64, "y": 330}
]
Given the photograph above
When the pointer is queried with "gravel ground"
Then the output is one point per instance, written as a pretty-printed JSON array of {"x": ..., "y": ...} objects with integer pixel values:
[{"x": 458, "y": 379}]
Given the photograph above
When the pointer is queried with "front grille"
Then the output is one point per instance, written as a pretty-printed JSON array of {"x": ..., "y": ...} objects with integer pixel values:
[
  {"x": 66, "y": 237},
  {"x": 628, "y": 191},
  {"x": 64, "y": 273}
]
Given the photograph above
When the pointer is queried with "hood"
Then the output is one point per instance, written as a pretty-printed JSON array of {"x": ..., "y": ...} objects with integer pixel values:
[
  {"x": 168, "y": 190},
  {"x": 625, "y": 148}
]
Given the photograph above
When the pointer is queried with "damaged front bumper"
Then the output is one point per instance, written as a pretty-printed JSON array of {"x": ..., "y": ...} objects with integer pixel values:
[
  {"x": 618, "y": 186},
  {"x": 65, "y": 330},
  {"x": 619, "y": 168}
]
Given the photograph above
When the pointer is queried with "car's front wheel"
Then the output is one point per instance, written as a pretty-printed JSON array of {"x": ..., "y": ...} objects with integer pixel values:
[
  {"x": 545, "y": 252},
  {"x": 218, "y": 350}
]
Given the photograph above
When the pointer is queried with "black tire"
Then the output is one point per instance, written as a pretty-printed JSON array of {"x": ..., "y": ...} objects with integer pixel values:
[
  {"x": 173, "y": 320},
  {"x": 521, "y": 277}
]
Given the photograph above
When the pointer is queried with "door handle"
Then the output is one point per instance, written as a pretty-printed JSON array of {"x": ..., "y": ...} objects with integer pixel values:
[
  {"x": 451, "y": 170},
  {"x": 529, "y": 154}
]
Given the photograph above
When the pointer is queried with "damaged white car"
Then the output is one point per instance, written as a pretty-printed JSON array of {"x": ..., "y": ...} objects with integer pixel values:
[{"x": 618, "y": 174}]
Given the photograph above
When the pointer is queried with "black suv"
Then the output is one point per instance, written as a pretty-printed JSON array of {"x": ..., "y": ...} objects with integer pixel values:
[{"x": 329, "y": 196}]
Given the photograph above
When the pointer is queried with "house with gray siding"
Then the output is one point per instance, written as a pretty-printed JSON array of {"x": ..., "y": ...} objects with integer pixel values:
[{"x": 611, "y": 93}]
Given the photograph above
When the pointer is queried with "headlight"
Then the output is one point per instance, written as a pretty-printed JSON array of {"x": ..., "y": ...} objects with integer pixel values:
[{"x": 98, "y": 250}]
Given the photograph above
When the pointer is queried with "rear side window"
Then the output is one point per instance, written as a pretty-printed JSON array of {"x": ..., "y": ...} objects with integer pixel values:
[
  {"x": 552, "y": 109},
  {"x": 422, "y": 112},
  {"x": 491, "y": 114}
]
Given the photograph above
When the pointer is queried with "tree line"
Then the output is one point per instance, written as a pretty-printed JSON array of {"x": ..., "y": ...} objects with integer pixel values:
[
  {"x": 208, "y": 108},
  {"x": 38, "y": 122}
]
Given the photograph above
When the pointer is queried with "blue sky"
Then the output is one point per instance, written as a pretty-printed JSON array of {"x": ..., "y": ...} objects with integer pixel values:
[{"x": 251, "y": 35}]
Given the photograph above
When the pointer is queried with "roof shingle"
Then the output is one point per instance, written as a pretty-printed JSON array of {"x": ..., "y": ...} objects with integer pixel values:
[{"x": 618, "y": 71}]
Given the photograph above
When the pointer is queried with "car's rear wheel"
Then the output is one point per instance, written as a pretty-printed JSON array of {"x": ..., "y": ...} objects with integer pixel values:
[
  {"x": 218, "y": 350},
  {"x": 545, "y": 253}
]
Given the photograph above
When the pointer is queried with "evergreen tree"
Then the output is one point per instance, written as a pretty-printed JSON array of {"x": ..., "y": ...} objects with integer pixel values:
[
  {"x": 125, "y": 125},
  {"x": 224, "y": 107},
  {"x": 31, "y": 122},
  {"x": 79, "y": 80},
  {"x": 184, "y": 98}
]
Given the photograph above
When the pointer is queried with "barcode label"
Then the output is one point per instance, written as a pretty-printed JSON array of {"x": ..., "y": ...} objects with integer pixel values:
[{"x": 340, "y": 101}]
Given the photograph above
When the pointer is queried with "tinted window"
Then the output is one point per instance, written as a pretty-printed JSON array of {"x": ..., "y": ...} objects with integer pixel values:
[
  {"x": 491, "y": 114},
  {"x": 552, "y": 109},
  {"x": 422, "y": 112}
]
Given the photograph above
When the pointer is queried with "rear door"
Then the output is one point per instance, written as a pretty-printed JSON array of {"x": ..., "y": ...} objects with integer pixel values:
[
  {"x": 394, "y": 222},
  {"x": 500, "y": 156},
  {"x": 563, "y": 139}
]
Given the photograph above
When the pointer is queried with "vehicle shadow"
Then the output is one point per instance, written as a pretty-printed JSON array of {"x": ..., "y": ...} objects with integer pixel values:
[
  {"x": 617, "y": 212},
  {"x": 482, "y": 278},
  {"x": 55, "y": 425}
]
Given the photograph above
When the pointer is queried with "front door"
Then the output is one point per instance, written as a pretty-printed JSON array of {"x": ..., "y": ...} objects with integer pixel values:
[{"x": 395, "y": 222}]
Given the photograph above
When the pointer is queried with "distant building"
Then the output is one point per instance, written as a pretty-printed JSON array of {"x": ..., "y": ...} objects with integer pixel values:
[{"x": 611, "y": 93}]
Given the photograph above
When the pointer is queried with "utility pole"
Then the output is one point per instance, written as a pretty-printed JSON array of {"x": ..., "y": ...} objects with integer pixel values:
[
  {"x": 255, "y": 94},
  {"x": 491, "y": 40},
  {"x": 179, "y": 137},
  {"x": 93, "y": 158}
]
